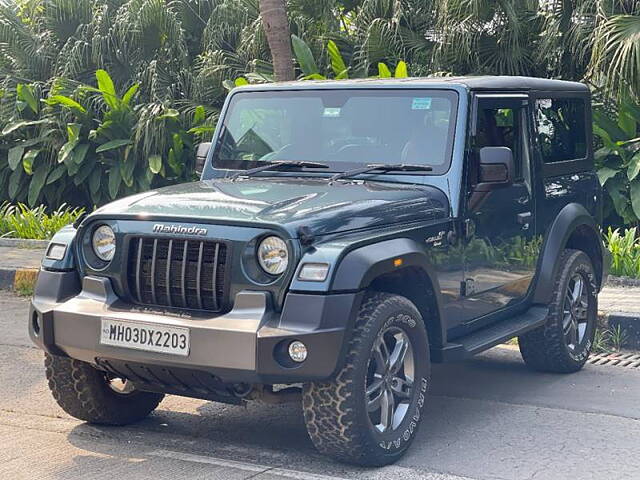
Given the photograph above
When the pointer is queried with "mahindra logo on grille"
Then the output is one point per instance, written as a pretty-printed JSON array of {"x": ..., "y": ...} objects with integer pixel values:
[{"x": 179, "y": 229}]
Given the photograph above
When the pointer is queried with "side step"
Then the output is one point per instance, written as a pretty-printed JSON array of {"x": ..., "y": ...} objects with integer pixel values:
[{"x": 492, "y": 335}]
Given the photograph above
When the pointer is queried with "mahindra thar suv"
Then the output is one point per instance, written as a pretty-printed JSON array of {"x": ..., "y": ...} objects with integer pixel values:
[{"x": 344, "y": 235}]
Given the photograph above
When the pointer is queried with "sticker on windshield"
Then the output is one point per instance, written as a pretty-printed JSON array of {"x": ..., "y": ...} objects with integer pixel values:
[
  {"x": 331, "y": 112},
  {"x": 421, "y": 103}
]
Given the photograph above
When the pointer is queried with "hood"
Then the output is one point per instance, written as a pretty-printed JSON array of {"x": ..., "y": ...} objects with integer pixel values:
[{"x": 287, "y": 202}]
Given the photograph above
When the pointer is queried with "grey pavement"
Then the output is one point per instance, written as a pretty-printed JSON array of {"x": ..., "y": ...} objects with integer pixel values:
[{"x": 487, "y": 419}]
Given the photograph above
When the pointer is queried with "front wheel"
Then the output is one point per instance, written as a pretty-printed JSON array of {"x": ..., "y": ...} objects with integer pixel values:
[
  {"x": 564, "y": 342},
  {"x": 369, "y": 414},
  {"x": 94, "y": 396}
]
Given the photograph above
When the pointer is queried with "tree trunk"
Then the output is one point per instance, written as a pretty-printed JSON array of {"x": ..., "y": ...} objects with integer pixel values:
[{"x": 276, "y": 26}]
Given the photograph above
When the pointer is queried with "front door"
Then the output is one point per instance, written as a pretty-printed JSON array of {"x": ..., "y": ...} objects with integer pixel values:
[{"x": 500, "y": 247}]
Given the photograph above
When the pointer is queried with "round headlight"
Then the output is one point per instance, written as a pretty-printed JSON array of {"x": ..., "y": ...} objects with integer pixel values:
[
  {"x": 273, "y": 255},
  {"x": 104, "y": 243}
]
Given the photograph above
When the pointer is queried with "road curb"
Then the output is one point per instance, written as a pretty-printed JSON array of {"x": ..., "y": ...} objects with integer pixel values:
[
  {"x": 629, "y": 323},
  {"x": 23, "y": 243},
  {"x": 18, "y": 279}
]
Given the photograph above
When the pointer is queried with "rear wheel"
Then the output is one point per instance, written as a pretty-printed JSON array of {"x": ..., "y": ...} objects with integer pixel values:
[
  {"x": 564, "y": 342},
  {"x": 94, "y": 396},
  {"x": 369, "y": 414}
]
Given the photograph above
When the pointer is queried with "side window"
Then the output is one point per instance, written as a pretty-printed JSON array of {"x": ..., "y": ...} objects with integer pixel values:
[
  {"x": 501, "y": 127},
  {"x": 561, "y": 129}
]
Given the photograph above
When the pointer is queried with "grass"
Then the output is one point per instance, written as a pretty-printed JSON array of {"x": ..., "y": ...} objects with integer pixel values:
[
  {"x": 20, "y": 221},
  {"x": 609, "y": 340},
  {"x": 625, "y": 252}
]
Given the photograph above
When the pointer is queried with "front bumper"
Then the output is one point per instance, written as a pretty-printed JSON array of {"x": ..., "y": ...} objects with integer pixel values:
[{"x": 246, "y": 344}]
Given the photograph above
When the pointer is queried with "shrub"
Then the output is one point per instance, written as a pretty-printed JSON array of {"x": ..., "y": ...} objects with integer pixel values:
[
  {"x": 625, "y": 252},
  {"x": 19, "y": 221}
]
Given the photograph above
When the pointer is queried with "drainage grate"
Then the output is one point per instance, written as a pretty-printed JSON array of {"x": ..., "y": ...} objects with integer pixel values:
[{"x": 629, "y": 360}]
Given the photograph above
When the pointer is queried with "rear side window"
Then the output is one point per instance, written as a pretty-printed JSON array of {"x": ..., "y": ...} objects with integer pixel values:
[{"x": 561, "y": 129}]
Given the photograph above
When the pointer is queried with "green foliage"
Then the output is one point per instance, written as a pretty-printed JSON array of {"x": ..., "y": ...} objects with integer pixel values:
[
  {"x": 625, "y": 252},
  {"x": 618, "y": 160},
  {"x": 19, "y": 221}
]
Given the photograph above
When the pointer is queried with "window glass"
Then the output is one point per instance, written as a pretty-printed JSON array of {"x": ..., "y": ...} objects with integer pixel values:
[
  {"x": 343, "y": 128},
  {"x": 500, "y": 127},
  {"x": 561, "y": 129}
]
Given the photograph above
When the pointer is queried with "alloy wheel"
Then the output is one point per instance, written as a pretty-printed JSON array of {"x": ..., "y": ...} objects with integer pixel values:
[
  {"x": 575, "y": 312},
  {"x": 390, "y": 379}
]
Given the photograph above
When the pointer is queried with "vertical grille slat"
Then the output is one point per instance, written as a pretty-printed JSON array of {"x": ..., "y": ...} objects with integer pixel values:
[
  {"x": 154, "y": 259},
  {"x": 215, "y": 271},
  {"x": 199, "y": 275},
  {"x": 183, "y": 277},
  {"x": 138, "y": 272},
  {"x": 168, "y": 273},
  {"x": 177, "y": 273}
]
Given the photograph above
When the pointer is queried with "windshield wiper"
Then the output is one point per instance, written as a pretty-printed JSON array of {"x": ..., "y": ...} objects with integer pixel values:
[
  {"x": 278, "y": 164},
  {"x": 385, "y": 167}
]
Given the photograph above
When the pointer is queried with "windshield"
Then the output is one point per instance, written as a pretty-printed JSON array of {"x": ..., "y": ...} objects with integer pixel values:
[{"x": 341, "y": 128}]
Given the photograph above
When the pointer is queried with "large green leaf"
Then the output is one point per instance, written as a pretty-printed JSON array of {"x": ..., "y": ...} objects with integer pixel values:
[
  {"x": 605, "y": 173},
  {"x": 66, "y": 102},
  {"x": 199, "y": 115},
  {"x": 634, "y": 167},
  {"x": 14, "y": 156},
  {"x": 129, "y": 94},
  {"x": 155, "y": 163},
  {"x": 12, "y": 127},
  {"x": 15, "y": 181},
  {"x": 304, "y": 56},
  {"x": 114, "y": 181},
  {"x": 634, "y": 192},
  {"x": 80, "y": 152},
  {"x": 73, "y": 131},
  {"x": 94, "y": 182},
  {"x": 27, "y": 160},
  {"x": 37, "y": 182},
  {"x": 108, "y": 89},
  {"x": 57, "y": 174},
  {"x": 113, "y": 144},
  {"x": 64, "y": 155},
  {"x": 603, "y": 122},
  {"x": 26, "y": 94},
  {"x": 338, "y": 66}
]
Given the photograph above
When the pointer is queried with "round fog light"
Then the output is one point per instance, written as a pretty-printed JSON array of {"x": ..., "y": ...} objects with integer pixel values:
[{"x": 298, "y": 351}]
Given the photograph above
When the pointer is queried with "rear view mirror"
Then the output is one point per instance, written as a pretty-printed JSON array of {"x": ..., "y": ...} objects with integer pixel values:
[
  {"x": 496, "y": 168},
  {"x": 201, "y": 156}
]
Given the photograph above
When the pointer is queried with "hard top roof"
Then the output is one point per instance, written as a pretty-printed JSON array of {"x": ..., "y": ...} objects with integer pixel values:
[{"x": 471, "y": 83}]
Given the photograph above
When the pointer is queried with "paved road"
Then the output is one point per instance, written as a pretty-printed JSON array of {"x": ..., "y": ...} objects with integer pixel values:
[{"x": 488, "y": 419}]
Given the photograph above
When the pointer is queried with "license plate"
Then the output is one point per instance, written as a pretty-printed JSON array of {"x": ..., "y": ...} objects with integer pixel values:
[{"x": 145, "y": 336}]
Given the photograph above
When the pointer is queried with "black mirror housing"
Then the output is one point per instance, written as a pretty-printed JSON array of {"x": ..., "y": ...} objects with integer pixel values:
[
  {"x": 496, "y": 168},
  {"x": 201, "y": 156}
]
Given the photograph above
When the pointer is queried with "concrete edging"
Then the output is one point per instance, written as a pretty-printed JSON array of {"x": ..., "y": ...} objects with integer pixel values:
[
  {"x": 19, "y": 279},
  {"x": 23, "y": 243},
  {"x": 629, "y": 323}
]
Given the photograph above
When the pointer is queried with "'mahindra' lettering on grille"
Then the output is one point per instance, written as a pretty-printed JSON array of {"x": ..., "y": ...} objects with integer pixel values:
[{"x": 179, "y": 229}]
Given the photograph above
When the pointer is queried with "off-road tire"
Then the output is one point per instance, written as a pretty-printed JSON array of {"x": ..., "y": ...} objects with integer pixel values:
[
  {"x": 545, "y": 349},
  {"x": 335, "y": 411},
  {"x": 84, "y": 393}
]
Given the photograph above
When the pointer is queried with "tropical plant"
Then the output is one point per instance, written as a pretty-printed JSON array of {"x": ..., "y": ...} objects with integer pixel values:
[
  {"x": 618, "y": 159},
  {"x": 19, "y": 221},
  {"x": 625, "y": 252}
]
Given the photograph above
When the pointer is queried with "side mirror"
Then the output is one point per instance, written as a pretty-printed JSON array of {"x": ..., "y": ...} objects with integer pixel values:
[
  {"x": 496, "y": 168},
  {"x": 201, "y": 156}
]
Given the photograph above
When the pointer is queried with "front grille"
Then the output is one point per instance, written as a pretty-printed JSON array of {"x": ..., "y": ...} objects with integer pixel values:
[{"x": 177, "y": 273}]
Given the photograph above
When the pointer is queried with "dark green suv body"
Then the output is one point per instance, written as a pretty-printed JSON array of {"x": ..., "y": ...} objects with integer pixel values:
[{"x": 344, "y": 236}]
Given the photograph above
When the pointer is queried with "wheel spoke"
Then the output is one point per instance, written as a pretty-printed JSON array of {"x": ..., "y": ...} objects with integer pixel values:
[
  {"x": 387, "y": 405},
  {"x": 374, "y": 402},
  {"x": 576, "y": 292},
  {"x": 573, "y": 335},
  {"x": 375, "y": 385},
  {"x": 398, "y": 355},
  {"x": 567, "y": 322}
]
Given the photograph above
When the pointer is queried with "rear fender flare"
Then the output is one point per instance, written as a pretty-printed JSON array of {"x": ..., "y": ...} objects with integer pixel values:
[{"x": 570, "y": 218}]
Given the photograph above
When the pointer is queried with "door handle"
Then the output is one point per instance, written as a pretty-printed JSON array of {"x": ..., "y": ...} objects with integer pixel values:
[{"x": 524, "y": 219}]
